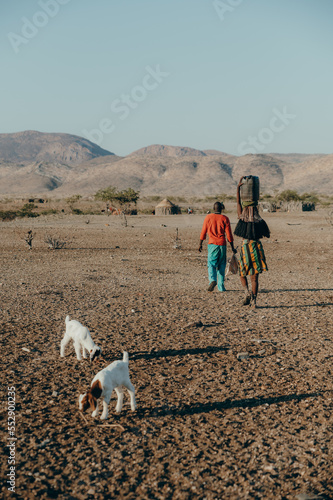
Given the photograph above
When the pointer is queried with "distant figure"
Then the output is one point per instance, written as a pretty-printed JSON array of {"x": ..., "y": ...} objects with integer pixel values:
[
  {"x": 217, "y": 226},
  {"x": 189, "y": 211},
  {"x": 252, "y": 260}
]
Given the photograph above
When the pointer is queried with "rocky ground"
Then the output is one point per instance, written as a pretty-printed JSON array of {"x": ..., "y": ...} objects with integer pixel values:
[{"x": 208, "y": 425}]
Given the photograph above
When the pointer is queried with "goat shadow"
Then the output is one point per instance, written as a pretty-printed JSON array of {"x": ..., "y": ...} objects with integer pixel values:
[
  {"x": 179, "y": 352},
  {"x": 228, "y": 404}
]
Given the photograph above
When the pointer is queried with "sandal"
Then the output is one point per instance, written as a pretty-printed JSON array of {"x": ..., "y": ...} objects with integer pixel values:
[{"x": 212, "y": 285}]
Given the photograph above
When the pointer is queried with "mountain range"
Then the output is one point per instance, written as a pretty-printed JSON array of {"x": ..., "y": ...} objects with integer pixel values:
[{"x": 35, "y": 163}]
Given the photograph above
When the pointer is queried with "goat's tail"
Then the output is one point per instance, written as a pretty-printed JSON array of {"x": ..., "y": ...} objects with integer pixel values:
[
  {"x": 67, "y": 319},
  {"x": 125, "y": 358}
]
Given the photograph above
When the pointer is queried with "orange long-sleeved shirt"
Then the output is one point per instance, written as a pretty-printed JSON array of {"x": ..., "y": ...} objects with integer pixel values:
[{"x": 216, "y": 226}]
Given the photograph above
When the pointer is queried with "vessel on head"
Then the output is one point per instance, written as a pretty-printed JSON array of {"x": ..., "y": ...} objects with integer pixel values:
[{"x": 249, "y": 189}]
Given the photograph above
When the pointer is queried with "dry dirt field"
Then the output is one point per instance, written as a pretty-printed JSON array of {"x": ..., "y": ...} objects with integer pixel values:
[{"x": 208, "y": 425}]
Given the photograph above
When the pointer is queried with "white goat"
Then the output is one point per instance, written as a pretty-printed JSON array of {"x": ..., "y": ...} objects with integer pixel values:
[
  {"x": 113, "y": 377},
  {"x": 81, "y": 338}
]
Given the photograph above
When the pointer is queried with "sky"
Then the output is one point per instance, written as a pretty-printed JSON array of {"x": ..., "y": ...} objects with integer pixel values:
[{"x": 239, "y": 76}]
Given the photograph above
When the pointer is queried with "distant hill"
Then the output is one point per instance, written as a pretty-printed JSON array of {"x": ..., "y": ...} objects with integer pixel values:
[
  {"x": 31, "y": 146},
  {"x": 32, "y": 163},
  {"x": 160, "y": 150}
]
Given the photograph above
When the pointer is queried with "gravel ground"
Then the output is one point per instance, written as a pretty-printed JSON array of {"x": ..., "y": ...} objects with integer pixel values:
[{"x": 208, "y": 425}]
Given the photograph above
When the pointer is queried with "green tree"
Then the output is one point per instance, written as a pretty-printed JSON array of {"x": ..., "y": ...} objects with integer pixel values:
[
  {"x": 289, "y": 195},
  {"x": 118, "y": 198}
]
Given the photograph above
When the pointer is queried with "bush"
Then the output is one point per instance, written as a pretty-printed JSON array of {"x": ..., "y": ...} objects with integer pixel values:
[
  {"x": 152, "y": 199},
  {"x": 177, "y": 199},
  {"x": 50, "y": 211},
  {"x": 55, "y": 243},
  {"x": 7, "y": 215},
  {"x": 27, "y": 211},
  {"x": 289, "y": 195},
  {"x": 310, "y": 197}
]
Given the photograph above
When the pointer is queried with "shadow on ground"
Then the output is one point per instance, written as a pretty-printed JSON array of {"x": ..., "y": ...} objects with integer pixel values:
[
  {"x": 223, "y": 405},
  {"x": 178, "y": 352}
]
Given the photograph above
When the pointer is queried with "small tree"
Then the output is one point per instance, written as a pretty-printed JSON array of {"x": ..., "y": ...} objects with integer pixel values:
[
  {"x": 28, "y": 238},
  {"x": 118, "y": 198},
  {"x": 27, "y": 210},
  {"x": 71, "y": 202},
  {"x": 289, "y": 195}
]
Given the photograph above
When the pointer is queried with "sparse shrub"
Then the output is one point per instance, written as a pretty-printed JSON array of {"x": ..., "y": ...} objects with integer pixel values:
[
  {"x": 177, "y": 243},
  {"x": 55, "y": 243},
  {"x": 177, "y": 199},
  {"x": 28, "y": 238},
  {"x": 146, "y": 211},
  {"x": 71, "y": 202},
  {"x": 7, "y": 215},
  {"x": 310, "y": 197},
  {"x": 152, "y": 199},
  {"x": 50, "y": 211},
  {"x": 27, "y": 210},
  {"x": 212, "y": 198}
]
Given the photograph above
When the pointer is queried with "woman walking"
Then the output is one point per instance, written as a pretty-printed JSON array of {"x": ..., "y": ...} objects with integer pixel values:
[{"x": 251, "y": 227}]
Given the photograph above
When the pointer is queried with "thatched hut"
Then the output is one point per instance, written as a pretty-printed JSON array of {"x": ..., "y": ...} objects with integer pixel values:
[{"x": 166, "y": 207}]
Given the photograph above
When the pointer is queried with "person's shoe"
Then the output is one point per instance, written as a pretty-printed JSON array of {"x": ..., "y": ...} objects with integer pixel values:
[
  {"x": 247, "y": 300},
  {"x": 212, "y": 285},
  {"x": 253, "y": 301}
]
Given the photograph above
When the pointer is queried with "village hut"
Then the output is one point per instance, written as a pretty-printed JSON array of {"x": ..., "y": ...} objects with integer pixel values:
[{"x": 166, "y": 207}]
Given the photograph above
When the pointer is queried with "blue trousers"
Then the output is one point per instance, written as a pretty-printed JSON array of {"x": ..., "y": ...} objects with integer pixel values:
[{"x": 217, "y": 260}]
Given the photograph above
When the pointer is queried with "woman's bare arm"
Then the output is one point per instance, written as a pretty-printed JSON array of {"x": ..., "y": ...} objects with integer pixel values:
[{"x": 239, "y": 202}]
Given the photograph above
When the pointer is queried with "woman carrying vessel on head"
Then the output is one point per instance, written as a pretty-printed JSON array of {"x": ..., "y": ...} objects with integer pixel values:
[{"x": 251, "y": 227}]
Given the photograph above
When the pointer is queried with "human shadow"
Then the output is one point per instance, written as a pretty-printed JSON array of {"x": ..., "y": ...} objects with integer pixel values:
[
  {"x": 318, "y": 304},
  {"x": 178, "y": 352},
  {"x": 264, "y": 290},
  {"x": 228, "y": 404}
]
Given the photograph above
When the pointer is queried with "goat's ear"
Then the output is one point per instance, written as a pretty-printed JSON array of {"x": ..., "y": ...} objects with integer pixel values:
[
  {"x": 96, "y": 389},
  {"x": 91, "y": 401}
]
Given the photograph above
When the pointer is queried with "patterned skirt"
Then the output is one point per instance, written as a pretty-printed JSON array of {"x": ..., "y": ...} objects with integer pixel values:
[{"x": 252, "y": 258}]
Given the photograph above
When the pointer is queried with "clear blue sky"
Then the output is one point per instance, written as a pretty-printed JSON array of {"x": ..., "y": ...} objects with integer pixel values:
[{"x": 226, "y": 73}]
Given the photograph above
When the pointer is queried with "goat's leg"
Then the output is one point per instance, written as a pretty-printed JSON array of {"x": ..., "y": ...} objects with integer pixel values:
[
  {"x": 105, "y": 413},
  {"x": 63, "y": 344},
  {"x": 77, "y": 347},
  {"x": 131, "y": 392},
  {"x": 84, "y": 352},
  {"x": 95, "y": 412},
  {"x": 120, "y": 394}
]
